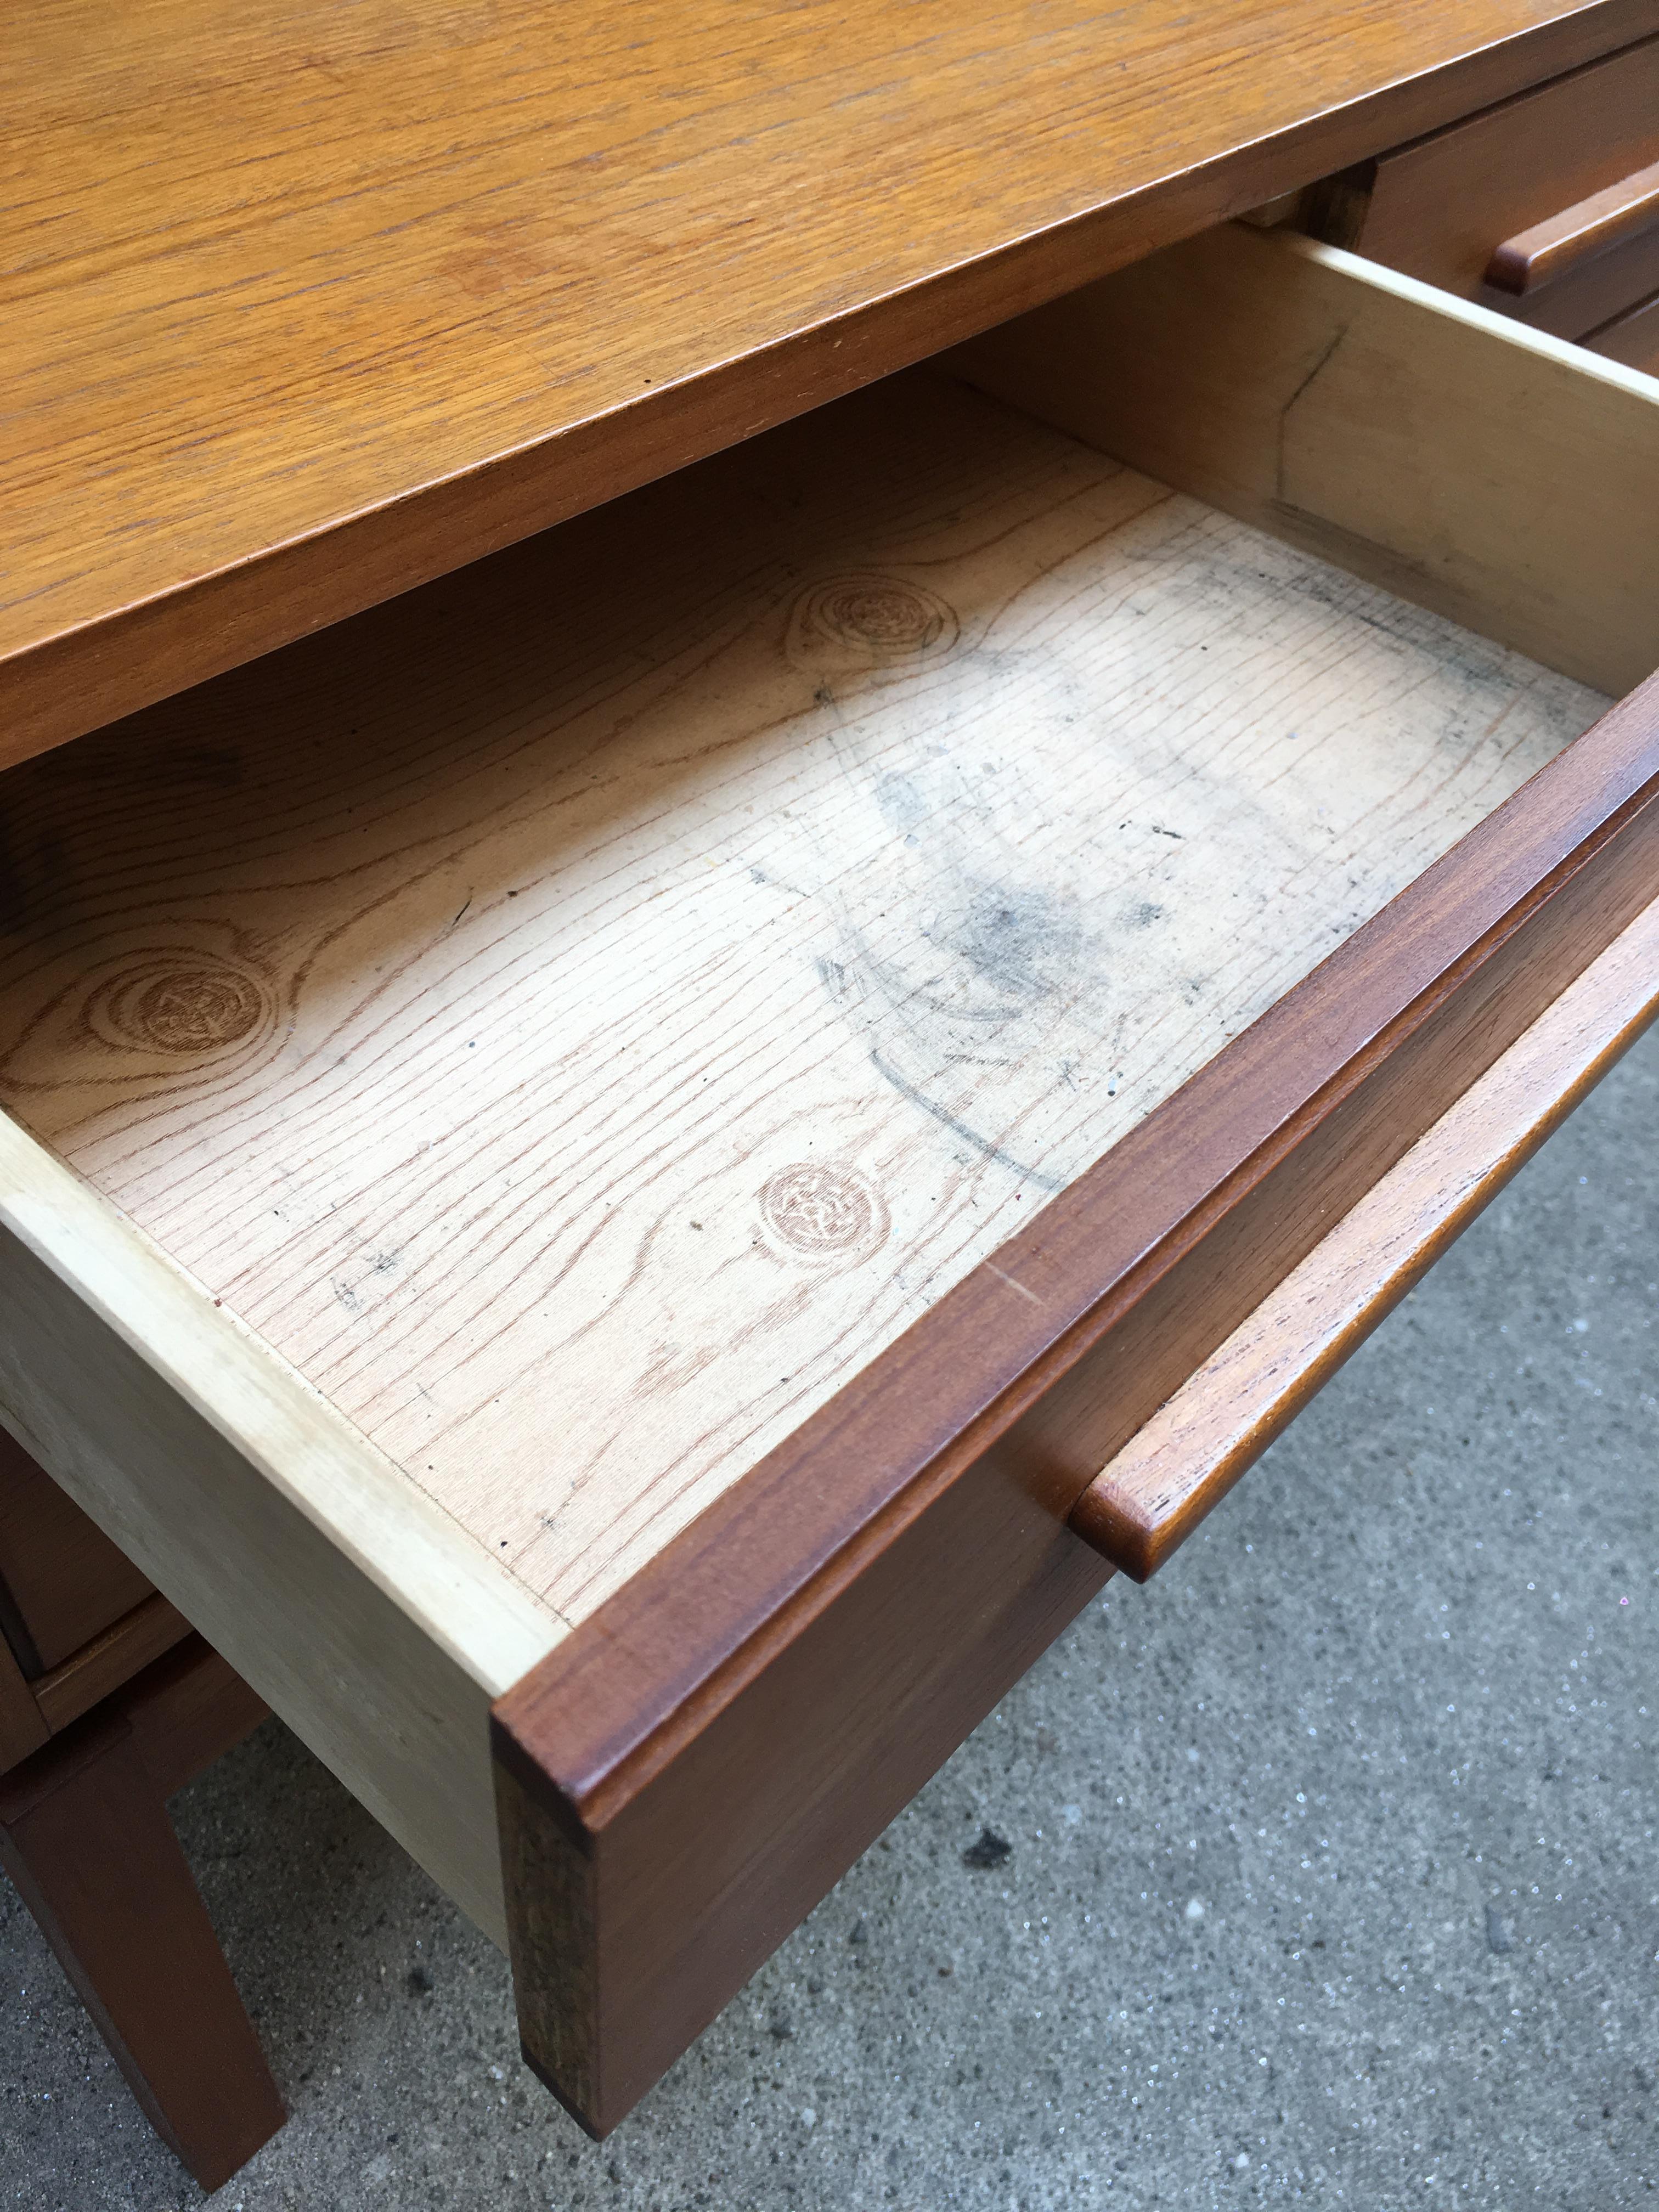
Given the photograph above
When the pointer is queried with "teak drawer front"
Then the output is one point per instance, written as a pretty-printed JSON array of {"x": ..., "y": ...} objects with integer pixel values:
[
  {"x": 625, "y": 1137},
  {"x": 1632, "y": 338},
  {"x": 62, "y": 1581},
  {"x": 1439, "y": 209}
]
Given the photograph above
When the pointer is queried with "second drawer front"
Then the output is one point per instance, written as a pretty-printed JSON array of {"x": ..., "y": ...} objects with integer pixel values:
[
  {"x": 1632, "y": 338},
  {"x": 61, "y": 1580},
  {"x": 1439, "y": 209}
]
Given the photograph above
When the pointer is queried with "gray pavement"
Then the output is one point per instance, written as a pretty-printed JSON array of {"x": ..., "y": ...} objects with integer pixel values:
[{"x": 1331, "y": 1875}]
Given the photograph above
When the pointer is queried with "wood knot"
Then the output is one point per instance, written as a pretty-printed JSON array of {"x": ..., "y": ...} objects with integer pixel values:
[
  {"x": 868, "y": 622},
  {"x": 821, "y": 1213},
  {"x": 186, "y": 1005}
]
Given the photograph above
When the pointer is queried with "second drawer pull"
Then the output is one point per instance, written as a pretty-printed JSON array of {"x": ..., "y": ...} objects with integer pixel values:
[{"x": 1564, "y": 242}]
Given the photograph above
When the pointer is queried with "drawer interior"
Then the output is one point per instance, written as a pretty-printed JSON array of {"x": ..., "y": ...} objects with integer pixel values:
[{"x": 582, "y": 1013}]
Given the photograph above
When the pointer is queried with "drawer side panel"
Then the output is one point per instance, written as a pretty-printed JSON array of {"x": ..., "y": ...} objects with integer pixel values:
[{"x": 277, "y": 1531}]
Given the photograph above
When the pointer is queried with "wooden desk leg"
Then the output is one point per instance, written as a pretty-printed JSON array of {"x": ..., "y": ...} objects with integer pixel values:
[{"x": 84, "y": 1834}]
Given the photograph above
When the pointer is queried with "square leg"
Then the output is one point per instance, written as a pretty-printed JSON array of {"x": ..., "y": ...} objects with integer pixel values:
[{"x": 85, "y": 1835}]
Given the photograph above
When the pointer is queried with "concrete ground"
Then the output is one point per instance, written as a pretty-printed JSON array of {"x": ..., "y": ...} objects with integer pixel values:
[{"x": 1332, "y": 1872}]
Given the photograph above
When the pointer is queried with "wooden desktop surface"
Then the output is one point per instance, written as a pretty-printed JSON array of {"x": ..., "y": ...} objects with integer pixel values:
[{"x": 304, "y": 304}]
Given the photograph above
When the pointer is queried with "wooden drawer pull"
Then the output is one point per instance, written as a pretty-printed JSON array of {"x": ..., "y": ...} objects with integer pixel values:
[
  {"x": 1153, "y": 1494},
  {"x": 1565, "y": 241}
]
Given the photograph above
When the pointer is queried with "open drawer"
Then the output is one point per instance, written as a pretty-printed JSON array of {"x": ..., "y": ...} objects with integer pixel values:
[{"x": 622, "y": 1139}]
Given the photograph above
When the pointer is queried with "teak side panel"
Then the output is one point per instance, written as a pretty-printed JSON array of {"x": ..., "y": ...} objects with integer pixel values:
[
  {"x": 1151, "y": 1495},
  {"x": 187, "y": 1710},
  {"x": 618, "y": 1747},
  {"x": 372, "y": 294},
  {"x": 350, "y": 1605},
  {"x": 1495, "y": 474}
]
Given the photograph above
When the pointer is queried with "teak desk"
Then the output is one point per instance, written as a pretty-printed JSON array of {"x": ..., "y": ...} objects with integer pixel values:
[{"x": 640, "y": 1151}]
